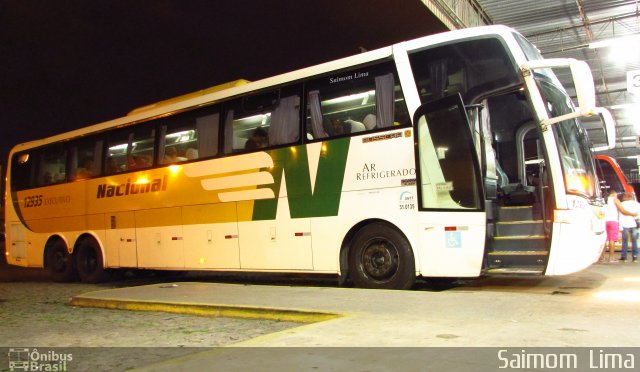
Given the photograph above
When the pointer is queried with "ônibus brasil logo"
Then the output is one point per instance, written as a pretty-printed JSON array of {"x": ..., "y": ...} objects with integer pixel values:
[{"x": 26, "y": 359}]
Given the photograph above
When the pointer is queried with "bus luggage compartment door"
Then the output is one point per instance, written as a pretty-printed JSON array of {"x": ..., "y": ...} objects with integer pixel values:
[{"x": 121, "y": 240}]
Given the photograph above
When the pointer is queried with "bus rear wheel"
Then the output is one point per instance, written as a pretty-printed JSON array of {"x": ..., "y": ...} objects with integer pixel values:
[
  {"x": 89, "y": 262},
  {"x": 60, "y": 263},
  {"x": 381, "y": 257}
]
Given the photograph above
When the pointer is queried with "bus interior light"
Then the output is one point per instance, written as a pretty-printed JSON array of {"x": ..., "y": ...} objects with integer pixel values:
[
  {"x": 352, "y": 97},
  {"x": 118, "y": 147}
]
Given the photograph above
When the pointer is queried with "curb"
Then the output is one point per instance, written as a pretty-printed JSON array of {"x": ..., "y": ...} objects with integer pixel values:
[{"x": 231, "y": 311}]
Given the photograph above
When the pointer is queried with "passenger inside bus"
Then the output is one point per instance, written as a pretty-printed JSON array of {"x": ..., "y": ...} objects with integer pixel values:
[
  {"x": 112, "y": 165},
  {"x": 191, "y": 154},
  {"x": 171, "y": 156},
  {"x": 137, "y": 162},
  {"x": 336, "y": 127},
  {"x": 353, "y": 126},
  {"x": 369, "y": 121},
  {"x": 258, "y": 139},
  {"x": 86, "y": 170}
]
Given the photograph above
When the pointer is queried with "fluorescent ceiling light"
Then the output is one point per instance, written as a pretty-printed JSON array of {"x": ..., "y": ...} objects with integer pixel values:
[{"x": 620, "y": 41}]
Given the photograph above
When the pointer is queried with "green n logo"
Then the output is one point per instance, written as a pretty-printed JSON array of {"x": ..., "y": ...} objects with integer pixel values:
[{"x": 293, "y": 164}]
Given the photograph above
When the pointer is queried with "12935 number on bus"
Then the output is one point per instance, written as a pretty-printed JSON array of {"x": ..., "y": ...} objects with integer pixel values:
[{"x": 33, "y": 201}]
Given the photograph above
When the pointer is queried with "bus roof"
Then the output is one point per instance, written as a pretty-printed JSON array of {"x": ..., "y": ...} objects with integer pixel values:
[{"x": 188, "y": 96}]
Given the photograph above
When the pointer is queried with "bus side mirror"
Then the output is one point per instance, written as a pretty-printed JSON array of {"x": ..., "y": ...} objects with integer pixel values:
[
  {"x": 609, "y": 127},
  {"x": 580, "y": 73},
  {"x": 585, "y": 90}
]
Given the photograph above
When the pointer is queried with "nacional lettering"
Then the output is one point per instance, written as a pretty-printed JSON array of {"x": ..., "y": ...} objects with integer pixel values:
[
  {"x": 355, "y": 75},
  {"x": 129, "y": 188}
]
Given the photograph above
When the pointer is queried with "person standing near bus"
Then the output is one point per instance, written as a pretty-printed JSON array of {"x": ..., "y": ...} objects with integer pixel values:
[
  {"x": 612, "y": 212},
  {"x": 629, "y": 227}
]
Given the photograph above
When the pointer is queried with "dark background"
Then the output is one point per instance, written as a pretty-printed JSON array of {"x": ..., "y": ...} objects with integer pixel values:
[{"x": 67, "y": 64}]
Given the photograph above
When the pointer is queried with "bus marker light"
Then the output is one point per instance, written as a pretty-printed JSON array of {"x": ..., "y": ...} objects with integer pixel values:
[{"x": 450, "y": 228}]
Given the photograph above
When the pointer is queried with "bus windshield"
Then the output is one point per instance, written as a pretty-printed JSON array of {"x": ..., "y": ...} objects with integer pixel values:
[{"x": 573, "y": 142}]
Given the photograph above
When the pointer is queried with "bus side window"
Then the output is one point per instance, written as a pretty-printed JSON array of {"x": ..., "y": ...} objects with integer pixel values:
[
  {"x": 207, "y": 134},
  {"x": 130, "y": 149},
  {"x": 276, "y": 121},
  {"x": 23, "y": 170},
  {"x": 52, "y": 165},
  {"x": 354, "y": 101},
  {"x": 117, "y": 152},
  {"x": 85, "y": 158},
  {"x": 285, "y": 121},
  {"x": 189, "y": 135}
]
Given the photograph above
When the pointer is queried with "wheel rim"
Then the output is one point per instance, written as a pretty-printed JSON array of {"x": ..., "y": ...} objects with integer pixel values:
[
  {"x": 380, "y": 260},
  {"x": 89, "y": 261},
  {"x": 60, "y": 261}
]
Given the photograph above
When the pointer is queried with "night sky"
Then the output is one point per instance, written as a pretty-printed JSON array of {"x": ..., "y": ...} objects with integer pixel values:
[{"x": 68, "y": 64}]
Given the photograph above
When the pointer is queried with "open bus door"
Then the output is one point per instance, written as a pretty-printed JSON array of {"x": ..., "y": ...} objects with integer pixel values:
[{"x": 514, "y": 211}]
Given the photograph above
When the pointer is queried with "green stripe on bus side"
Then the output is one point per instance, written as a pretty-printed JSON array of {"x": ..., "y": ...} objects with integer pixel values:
[{"x": 293, "y": 164}]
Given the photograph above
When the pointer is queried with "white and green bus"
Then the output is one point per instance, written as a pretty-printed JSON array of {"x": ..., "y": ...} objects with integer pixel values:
[{"x": 453, "y": 155}]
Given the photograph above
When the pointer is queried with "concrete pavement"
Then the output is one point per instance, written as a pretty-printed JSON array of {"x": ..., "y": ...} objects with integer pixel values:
[{"x": 594, "y": 308}]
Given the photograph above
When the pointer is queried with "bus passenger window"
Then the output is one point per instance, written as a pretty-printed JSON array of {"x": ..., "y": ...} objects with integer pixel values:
[
  {"x": 130, "y": 150},
  {"x": 274, "y": 124},
  {"x": 52, "y": 165},
  {"x": 352, "y": 102},
  {"x": 177, "y": 143},
  {"x": 85, "y": 158}
]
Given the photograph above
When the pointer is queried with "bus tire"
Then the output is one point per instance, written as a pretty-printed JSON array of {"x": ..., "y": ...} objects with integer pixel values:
[
  {"x": 89, "y": 262},
  {"x": 381, "y": 257},
  {"x": 60, "y": 263}
]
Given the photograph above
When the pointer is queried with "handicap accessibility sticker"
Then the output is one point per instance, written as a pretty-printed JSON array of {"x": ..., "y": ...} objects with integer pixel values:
[{"x": 453, "y": 239}]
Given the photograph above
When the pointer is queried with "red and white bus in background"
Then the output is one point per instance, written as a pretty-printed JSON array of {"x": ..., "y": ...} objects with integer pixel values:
[{"x": 611, "y": 174}]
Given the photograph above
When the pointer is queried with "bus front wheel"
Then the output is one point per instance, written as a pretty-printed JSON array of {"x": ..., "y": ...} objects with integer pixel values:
[
  {"x": 89, "y": 262},
  {"x": 60, "y": 263},
  {"x": 381, "y": 257}
]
